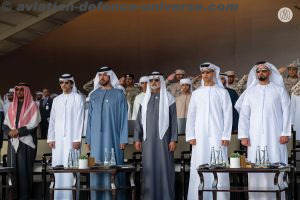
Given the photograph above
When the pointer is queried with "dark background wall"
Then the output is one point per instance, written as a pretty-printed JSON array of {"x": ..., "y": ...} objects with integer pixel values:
[{"x": 141, "y": 42}]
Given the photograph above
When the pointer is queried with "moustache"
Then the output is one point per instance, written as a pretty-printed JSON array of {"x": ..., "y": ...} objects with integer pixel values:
[{"x": 262, "y": 78}]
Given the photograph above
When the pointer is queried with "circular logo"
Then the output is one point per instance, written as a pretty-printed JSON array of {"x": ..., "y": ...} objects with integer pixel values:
[
  {"x": 285, "y": 14},
  {"x": 6, "y": 6}
]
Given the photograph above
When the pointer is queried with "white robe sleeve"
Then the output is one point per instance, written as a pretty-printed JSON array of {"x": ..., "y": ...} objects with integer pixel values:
[
  {"x": 244, "y": 119},
  {"x": 136, "y": 106},
  {"x": 51, "y": 128},
  {"x": 293, "y": 109},
  {"x": 191, "y": 119},
  {"x": 286, "y": 115},
  {"x": 79, "y": 120},
  {"x": 227, "y": 116}
]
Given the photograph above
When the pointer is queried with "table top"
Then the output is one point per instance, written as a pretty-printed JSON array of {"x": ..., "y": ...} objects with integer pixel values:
[
  {"x": 108, "y": 169},
  {"x": 246, "y": 170},
  {"x": 6, "y": 169}
]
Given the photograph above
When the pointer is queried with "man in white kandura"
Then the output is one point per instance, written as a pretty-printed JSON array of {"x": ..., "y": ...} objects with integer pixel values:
[
  {"x": 265, "y": 121},
  {"x": 209, "y": 123},
  {"x": 65, "y": 129}
]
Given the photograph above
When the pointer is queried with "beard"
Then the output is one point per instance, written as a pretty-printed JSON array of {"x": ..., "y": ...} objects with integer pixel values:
[
  {"x": 262, "y": 78},
  {"x": 104, "y": 83},
  {"x": 154, "y": 87}
]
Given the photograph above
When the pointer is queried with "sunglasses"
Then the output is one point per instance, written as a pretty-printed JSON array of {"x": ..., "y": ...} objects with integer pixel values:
[
  {"x": 64, "y": 82},
  {"x": 19, "y": 89},
  {"x": 261, "y": 70},
  {"x": 154, "y": 80}
]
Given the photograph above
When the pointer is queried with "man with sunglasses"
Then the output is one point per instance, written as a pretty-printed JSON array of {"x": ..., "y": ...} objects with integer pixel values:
[
  {"x": 65, "y": 130},
  {"x": 156, "y": 136},
  {"x": 144, "y": 80},
  {"x": 20, "y": 125},
  {"x": 208, "y": 126},
  {"x": 265, "y": 122}
]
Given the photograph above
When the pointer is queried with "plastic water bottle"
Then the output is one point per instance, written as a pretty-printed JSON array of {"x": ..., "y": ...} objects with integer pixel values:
[
  {"x": 267, "y": 162},
  {"x": 113, "y": 157},
  {"x": 212, "y": 156},
  {"x": 257, "y": 157},
  {"x": 70, "y": 159},
  {"x": 220, "y": 156},
  {"x": 75, "y": 158},
  {"x": 106, "y": 162}
]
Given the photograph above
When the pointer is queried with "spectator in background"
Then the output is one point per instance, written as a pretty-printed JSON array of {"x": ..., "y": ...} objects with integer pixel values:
[
  {"x": 172, "y": 82},
  {"x": 183, "y": 100},
  {"x": 45, "y": 109},
  {"x": 233, "y": 97},
  {"x": 38, "y": 97},
  {"x": 131, "y": 92},
  {"x": 8, "y": 99},
  {"x": 292, "y": 77}
]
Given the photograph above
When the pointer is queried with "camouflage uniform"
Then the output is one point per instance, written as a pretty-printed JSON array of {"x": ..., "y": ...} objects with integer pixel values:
[
  {"x": 131, "y": 93},
  {"x": 289, "y": 82},
  {"x": 89, "y": 86},
  {"x": 196, "y": 82},
  {"x": 233, "y": 85},
  {"x": 296, "y": 89},
  {"x": 242, "y": 85},
  {"x": 173, "y": 87}
]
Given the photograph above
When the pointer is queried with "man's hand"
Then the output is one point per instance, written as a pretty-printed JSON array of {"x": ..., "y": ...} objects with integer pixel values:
[
  {"x": 282, "y": 69},
  {"x": 245, "y": 77},
  {"x": 283, "y": 139},
  {"x": 122, "y": 80},
  {"x": 225, "y": 143},
  {"x": 76, "y": 145},
  {"x": 122, "y": 146},
  {"x": 198, "y": 77},
  {"x": 193, "y": 142},
  {"x": 172, "y": 146},
  {"x": 88, "y": 148},
  {"x": 13, "y": 133},
  {"x": 138, "y": 146},
  {"x": 245, "y": 142},
  {"x": 51, "y": 145},
  {"x": 171, "y": 77}
]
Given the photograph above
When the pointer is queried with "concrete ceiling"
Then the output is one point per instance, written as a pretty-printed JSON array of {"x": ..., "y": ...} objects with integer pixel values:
[{"x": 19, "y": 28}]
